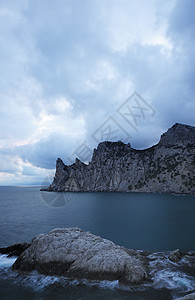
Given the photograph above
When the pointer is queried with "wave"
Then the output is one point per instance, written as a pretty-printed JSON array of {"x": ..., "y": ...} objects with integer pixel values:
[
  {"x": 165, "y": 275},
  {"x": 168, "y": 275},
  {"x": 6, "y": 262}
]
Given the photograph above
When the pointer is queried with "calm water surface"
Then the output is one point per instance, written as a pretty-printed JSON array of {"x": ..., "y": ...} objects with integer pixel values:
[{"x": 153, "y": 222}]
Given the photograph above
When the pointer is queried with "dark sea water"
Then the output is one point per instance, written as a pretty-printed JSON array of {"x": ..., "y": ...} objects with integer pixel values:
[{"x": 150, "y": 222}]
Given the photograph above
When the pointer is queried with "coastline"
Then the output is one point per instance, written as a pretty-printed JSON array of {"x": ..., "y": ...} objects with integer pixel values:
[{"x": 165, "y": 269}]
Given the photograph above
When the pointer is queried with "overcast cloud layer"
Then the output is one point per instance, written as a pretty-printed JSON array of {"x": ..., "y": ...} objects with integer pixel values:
[{"x": 67, "y": 67}]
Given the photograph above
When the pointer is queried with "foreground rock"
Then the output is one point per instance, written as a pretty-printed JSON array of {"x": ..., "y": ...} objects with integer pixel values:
[
  {"x": 14, "y": 250},
  {"x": 167, "y": 167},
  {"x": 175, "y": 256},
  {"x": 74, "y": 253},
  {"x": 187, "y": 297}
]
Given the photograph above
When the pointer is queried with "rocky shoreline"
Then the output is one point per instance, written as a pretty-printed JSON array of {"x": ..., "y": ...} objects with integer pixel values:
[
  {"x": 167, "y": 167},
  {"x": 73, "y": 253}
]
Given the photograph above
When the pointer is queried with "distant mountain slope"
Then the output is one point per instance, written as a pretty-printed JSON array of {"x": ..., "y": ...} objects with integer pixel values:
[{"x": 167, "y": 167}]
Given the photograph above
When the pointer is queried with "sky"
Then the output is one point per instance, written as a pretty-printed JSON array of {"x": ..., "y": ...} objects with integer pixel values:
[{"x": 75, "y": 73}]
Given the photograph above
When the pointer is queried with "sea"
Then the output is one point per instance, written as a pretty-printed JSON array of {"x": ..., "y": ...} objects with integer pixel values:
[{"x": 153, "y": 223}]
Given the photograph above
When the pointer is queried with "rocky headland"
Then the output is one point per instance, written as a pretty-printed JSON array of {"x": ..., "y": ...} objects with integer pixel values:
[{"x": 167, "y": 167}]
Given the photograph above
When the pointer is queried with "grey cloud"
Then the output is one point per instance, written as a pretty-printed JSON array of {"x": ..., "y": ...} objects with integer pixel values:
[
  {"x": 69, "y": 50},
  {"x": 44, "y": 153},
  {"x": 182, "y": 21}
]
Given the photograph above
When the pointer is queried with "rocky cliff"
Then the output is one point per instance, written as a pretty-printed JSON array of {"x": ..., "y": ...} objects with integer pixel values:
[{"x": 167, "y": 167}]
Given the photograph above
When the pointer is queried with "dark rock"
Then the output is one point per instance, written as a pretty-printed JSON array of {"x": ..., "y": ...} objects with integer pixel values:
[
  {"x": 187, "y": 297},
  {"x": 178, "y": 134},
  {"x": 15, "y": 250},
  {"x": 175, "y": 256}
]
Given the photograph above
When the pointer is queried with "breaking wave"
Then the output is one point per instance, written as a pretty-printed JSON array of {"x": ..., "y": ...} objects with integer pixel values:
[{"x": 164, "y": 275}]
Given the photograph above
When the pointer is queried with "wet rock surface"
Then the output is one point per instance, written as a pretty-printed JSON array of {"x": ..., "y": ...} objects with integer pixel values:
[
  {"x": 14, "y": 250},
  {"x": 74, "y": 253},
  {"x": 187, "y": 297},
  {"x": 175, "y": 256}
]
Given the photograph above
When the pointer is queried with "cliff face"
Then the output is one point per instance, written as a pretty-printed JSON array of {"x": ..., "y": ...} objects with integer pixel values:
[{"x": 166, "y": 167}]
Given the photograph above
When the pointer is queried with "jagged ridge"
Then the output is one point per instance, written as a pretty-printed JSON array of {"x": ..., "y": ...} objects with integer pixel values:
[{"x": 115, "y": 166}]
